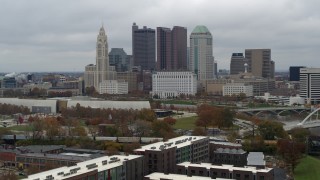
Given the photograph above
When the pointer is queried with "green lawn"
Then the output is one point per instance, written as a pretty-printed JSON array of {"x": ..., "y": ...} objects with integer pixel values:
[
  {"x": 168, "y": 102},
  {"x": 186, "y": 123},
  {"x": 308, "y": 169},
  {"x": 21, "y": 128}
]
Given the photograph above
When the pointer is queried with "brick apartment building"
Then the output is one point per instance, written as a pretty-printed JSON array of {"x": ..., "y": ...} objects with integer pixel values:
[{"x": 163, "y": 156}]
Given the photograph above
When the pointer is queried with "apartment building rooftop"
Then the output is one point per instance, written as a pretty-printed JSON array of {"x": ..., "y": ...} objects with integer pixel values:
[
  {"x": 230, "y": 151},
  {"x": 226, "y": 167},
  {"x": 161, "y": 176},
  {"x": 99, "y": 164},
  {"x": 178, "y": 142}
]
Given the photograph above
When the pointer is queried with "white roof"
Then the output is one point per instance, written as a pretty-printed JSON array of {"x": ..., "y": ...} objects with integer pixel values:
[
  {"x": 231, "y": 168},
  {"x": 99, "y": 164},
  {"x": 174, "y": 142},
  {"x": 256, "y": 159},
  {"x": 30, "y": 102},
  {"x": 160, "y": 176},
  {"x": 111, "y": 104}
]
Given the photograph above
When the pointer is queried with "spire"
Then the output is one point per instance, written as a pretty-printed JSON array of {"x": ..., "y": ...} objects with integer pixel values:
[{"x": 102, "y": 32}]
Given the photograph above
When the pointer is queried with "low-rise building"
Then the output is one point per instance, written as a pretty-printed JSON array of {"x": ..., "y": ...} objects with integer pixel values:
[
  {"x": 236, "y": 157},
  {"x": 237, "y": 89},
  {"x": 224, "y": 171},
  {"x": 171, "y": 84},
  {"x": 163, "y": 156},
  {"x": 114, "y": 87},
  {"x": 106, "y": 167}
]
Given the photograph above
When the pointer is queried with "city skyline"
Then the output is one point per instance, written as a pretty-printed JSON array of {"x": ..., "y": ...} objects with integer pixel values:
[{"x": 46, "y": 36}]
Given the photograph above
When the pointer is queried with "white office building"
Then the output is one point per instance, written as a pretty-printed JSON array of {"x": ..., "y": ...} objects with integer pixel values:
[
  {"x": 113, "y": 87},
  {"x": 173, "y": 84},
  {"x": 310, "y": 84},
  {"x": 237, "y": 89}
]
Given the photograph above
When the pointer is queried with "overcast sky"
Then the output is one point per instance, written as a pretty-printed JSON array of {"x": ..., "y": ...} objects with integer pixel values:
[{"x": 60, "y": 35}]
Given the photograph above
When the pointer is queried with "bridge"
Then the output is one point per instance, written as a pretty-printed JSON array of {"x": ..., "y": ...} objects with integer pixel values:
[
  {"x": 273, "y": 110},
  {"x": 311, "y": 121}
]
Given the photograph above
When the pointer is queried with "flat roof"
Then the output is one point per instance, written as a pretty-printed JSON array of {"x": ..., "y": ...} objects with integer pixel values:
[
  {"x": 99, "y": 164},
  {"x": 178, "y": 142},
  {"x": 226, "y": 143},
  {"x": 228, "y": 167},
  {"x": 55, "y": 156},
  {"x": 256, "y": 159},
  {"x": 160, "y": 176}
]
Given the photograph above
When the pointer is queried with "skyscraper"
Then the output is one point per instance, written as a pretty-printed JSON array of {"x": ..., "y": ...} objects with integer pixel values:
[
  {"x": 119, "y": 58},
  {"x": 237, "y": 63},
  {"x": 102, "y": 59},
  {"x": 94, "y": 75},
  {"x": 201, "y": 58},
  {"x": 171, "y": 48},
  {"x": 164, "y": 49},
  {"x": 143, "y": 47},
  {"x": 310, "y": 84},
  {"x": 260, "y": 63}
]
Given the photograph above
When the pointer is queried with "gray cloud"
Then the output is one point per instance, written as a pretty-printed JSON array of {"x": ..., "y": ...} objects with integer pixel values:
[{"x": 60, "y": 35}]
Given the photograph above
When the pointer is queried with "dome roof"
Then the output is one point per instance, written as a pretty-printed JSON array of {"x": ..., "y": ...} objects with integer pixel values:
[{"x": 201, "y": 29}]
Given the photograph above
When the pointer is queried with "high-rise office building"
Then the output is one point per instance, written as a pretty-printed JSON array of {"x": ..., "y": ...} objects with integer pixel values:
[
  {"x": 119, "y": 59},
  {"x": 94, "y": 75},
  {"x": 171, "y": 48},
  {"x": 102, "y": 59},
  {"x": 260, "y": 63},
  {"x": 310, "y": 85},
  {"x": 201, "y": 58},
  {"x": 143, "y": 47},
  {"x": 164, "y": 49},
  {"x": 294, "y": 73},
  {"x": 179, "y": 48},
  {"x": 237, "y": 64}
]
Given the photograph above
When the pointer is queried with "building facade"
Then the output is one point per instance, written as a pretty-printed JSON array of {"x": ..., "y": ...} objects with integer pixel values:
[
  {"x": 106, "y": 167},
  {"x": 102, "y": 59},
  {"x": 294, "y": 73},
  {"x": 201, "y": 57},
  {"x": 119, "y": 59},
  {"x": 163, "y": 156},
  {"x": 173, "y": 84},
  {"x": 113, "y": 87},
  {"x": 224, "y": 171},
  {"x": 237, "y": 89},
  {"x": 260, "y": 63},
  {"x": 310, "y": 84},
  {"x": 237, "y": 64},
  {"x": 171, "y": 48},
  {"x": 143, "y": 47}
]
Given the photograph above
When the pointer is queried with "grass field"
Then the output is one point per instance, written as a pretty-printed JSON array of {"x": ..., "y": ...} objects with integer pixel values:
[
  {"x": 308, "y": 169},
  {"x": 21, "y": 128},
  {"x": 186, "y": 123}
]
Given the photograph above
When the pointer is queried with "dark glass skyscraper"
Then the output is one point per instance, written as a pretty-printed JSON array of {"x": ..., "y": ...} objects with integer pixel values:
[
  {"x": 143, "y": 47},
  {"x": 171, "y": 48},
  {"x": 237, "y": 64}
]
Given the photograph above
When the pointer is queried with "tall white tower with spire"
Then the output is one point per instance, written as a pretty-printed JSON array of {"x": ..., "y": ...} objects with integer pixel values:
[{"x": 102, "y": 59}]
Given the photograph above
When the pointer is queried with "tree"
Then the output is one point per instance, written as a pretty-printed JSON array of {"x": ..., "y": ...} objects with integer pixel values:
[
  {"x": 37, "y": 128},
  {"x": 141, "y": 128},
  {"x": 300, "y": 134},
  {"x": 198, "y": 131},
  {"x": 93, "y": 130},
  {"x": 78, "y": 131},
  {"x": 112, "y": 148},
  {"x": 171, "y": 121},
  {"x": 291, "y": 151},
  {"x": 271, "y": 130},
  {"x": 147, "y": 114},
  {"x": 51, "y": 127},
  {"x": 162, "y": 129}
]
